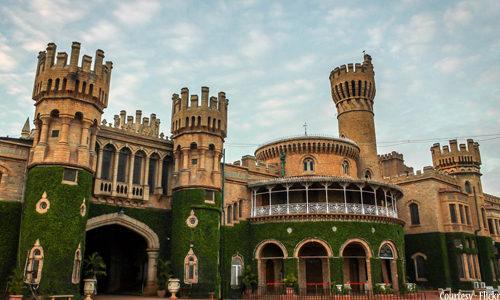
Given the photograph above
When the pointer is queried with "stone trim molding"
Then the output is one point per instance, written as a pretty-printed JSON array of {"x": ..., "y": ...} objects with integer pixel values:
[
  {"x": 261, "y": 245},
  {"x": 151, "y": 237},
  {"x": 393, "y": 247},
  {"x": 365, "y": 244},
  {"x": 309, "y": 240}
]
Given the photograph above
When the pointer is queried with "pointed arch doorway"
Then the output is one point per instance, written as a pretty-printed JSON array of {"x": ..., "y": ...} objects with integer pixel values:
[{"x": 129, "y": 248}]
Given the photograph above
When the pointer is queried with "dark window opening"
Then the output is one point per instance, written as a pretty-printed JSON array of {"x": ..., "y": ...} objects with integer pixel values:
[
  {"x": 70, "y": 175},
  {"x": 421, "y": 272},
  {"x": 106, "y": 164},
  {"x": 55, "y": 133},
  {"x": 137, "y": 169},
  {"x": 152, "y": 175},
  {"x": 453, "y": 214},
  {"x": 122, "y": 166},
  {"x": 415, "y": 217}
]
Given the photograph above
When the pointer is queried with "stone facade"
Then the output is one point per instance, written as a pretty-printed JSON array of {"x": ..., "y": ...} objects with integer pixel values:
[{"x": 300, "y": 221}]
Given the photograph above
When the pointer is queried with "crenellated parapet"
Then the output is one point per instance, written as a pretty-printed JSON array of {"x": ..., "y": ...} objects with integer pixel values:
[
  {"x": 255, "y": 165},
  {"x": 140, "y": 125},
  {"x": 353, "y": 86},
  {"x": 427, "y": 173},
  {"x": 56, "y": 79},
  {"x": 457, "y": 158},
  {"x": 389, "y": 156},
  {"x": 189, "y": 115}
]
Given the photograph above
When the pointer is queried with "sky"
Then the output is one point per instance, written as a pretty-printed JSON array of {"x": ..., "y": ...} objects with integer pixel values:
[{"x": 436, "y": 65}]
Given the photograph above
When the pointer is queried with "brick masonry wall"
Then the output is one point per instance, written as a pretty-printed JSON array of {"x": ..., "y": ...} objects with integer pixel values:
[{"x": 13, "y": 159}]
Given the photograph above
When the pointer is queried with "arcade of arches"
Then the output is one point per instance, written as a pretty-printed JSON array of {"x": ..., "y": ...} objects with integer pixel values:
[{"x": 314, "y": 265}]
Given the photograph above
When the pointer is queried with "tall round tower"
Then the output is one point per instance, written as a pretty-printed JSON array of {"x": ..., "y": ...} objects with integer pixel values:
[
  {"x": 198, "y": 134},
  {"x": 69, "y": 103},
  {"x": 353, "y": 91}
]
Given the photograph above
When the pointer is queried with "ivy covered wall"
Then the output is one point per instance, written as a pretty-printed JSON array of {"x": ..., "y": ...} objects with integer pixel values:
[
  {"x": 10, "y": 222},
  {"x": 60, "y": 230},
  {"x": 245, "y": 235},
  {"x": 205, "y": 236}
]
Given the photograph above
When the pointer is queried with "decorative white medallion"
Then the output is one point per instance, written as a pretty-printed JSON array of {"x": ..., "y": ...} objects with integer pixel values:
[
  {"x": 373, "y": 229},
  {"x": 83, "y": 208},
  {"x": 289, "y": 230},
  {"x": 192, "y": 220},
  {"x": 334, "y": 228},
  {"x": 43, "y": 204}
]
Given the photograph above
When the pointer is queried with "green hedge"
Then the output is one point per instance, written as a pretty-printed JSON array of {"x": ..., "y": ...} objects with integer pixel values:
[
  {"x": 10, "y": 221},
  {"x": 160, "y": 221},
  {"x": 205, "y": 237},
  {"x": 485, "y": 245},
  {"x": 60, "y": 230}
]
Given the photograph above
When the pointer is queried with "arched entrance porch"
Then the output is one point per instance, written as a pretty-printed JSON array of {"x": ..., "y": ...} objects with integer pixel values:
[
  {"x": 357, "y": 269},
  {"x": 314, "y": 266},
  {"x": 151, "y": 245},
  {"x": 270, "y": 257}
]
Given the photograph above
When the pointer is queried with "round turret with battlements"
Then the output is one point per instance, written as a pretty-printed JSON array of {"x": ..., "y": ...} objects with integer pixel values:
[
  {"x": 70, "y": 100},
  {"x": 198, "y": 134},
  {"x": 353, "y": 91}
]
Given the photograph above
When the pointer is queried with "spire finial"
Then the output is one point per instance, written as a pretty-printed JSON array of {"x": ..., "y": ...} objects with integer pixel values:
[{"x": 305, "y": 128}]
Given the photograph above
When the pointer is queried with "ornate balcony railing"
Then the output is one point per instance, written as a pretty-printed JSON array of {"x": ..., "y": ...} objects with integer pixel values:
[{"x": 314, "y": 208}]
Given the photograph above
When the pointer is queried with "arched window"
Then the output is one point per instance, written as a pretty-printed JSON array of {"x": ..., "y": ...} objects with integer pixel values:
[
  {"x": 308, "y": 164},
  {"x": 229, "y": 214},
  {"x": 191, "y": 268},
  {"x": 235, "y": 211},
  {"x": 368, "y": 175},
  {"x": 35, "y": 264},
  {"x": 345, "y": 167},
  {"x": 75, "y": 278},
  {"x": 386, "y": 252},
  {"x": 415, "y": 217},
  {"x": 420, "y": 269},
  {"x": 467, "y": 187},
  {"x": 236, "y": 265}
]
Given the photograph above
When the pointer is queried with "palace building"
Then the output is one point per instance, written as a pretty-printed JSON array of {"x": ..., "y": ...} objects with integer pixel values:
[{"x": 325, "y": 209}]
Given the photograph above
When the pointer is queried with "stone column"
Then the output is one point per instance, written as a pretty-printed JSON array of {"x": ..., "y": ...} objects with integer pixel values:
[
  {"x": 115, "y": 171},
  {"x": 202, "y": 158},
  {"x": 146, "y": 179},
  {"x": 217, "y": 156},
  {"x": 131, "y": 174},
  {"x": 185, "y": 158},
  {"x": 36, "y": 135},
  {"x": 150, "y": 284},
  {"x": 45, "y": 129},
  {"x": 85, "y": 133},
  {"x": 63, "y": 139},
  {"x": 177, "y": 161},
  {"x": 93, "y": 137},
  {"x": 159, "y": 175},
  {"x": 99, "y": 162}
]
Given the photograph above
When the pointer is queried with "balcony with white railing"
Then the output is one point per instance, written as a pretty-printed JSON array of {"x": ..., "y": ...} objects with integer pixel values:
[
  {"x": 323, "y": 195},
  {"x": 324, "y": 208}
]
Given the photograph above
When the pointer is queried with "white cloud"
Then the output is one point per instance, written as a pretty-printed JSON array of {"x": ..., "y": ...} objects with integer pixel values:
[
  {"x": 183, "y": 37},
  {"x": 448, "y": 64},
  {"x": 137, "y": 12},
  {"x": 460, "y": 15},
  {"x": 258, "y": 44},
  {"x": 276, "y": 11},
  {"x": 300, "y": 64},
  {"x": 342, "y": 14},
  {"x": 60, "y": 11},
  {"x": 420, "y": 30},
  {"x": 103, "y": 31},
  {"x": 7, "y": 62}
]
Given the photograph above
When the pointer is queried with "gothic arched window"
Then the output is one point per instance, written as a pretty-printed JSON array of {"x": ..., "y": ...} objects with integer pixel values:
[
  {"x": 345, "y": 167},
  {"x": 308, "y": 165},
  {"x": 191, "y": 268},
  {"x": 35, "y": 264},
  {"x": 236, "y": 267},
  {"x": 415, "y": 217}
]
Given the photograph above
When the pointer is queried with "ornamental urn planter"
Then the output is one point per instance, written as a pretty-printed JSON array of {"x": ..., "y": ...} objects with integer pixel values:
[
  {"x": 89, "y": 287},
  {"x": 289, "y": 290},
  {"x": 173, "y": 286}
]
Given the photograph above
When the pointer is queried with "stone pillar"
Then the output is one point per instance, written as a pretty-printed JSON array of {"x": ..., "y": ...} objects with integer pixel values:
[
  {"x": 159, "y": 173},
  {"x": 63, "y": 139},
  {"x": 151, "y": 282},
  {"x": 99, "y": 162},
  {"x": 185, "y": 158},
  {"x": 93, "y": 137},
  {"x": 131, "y": 174},
  {"x": 115, "y": 171},
  {"x": 146, "y": 172},
  {"x": 177, "y": 161},
  {"x": 202, "y": 158},
  {"x": 36, "y": 135},
  {"x": 85, "y": 133},
  {"x": 217, "y": 156},
  {"x": 45, "y": 129}
]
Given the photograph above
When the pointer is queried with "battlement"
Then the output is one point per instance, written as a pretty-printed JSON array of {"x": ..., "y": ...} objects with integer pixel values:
[
  {"x": 456, "y": 158},
  {"x": 253, "y": 164},
  {"x": 188, "y": 114},
  {"x": 59, "y": 79},
  {"x": 140, "y": 125},
  {"x": 427, "y": 173},
  {"x": 353, "y": 86},
  {"x": 389, "y": 156}
]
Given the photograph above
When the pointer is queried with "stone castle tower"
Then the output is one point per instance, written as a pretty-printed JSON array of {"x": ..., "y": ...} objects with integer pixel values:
[
  {"x": 70, "y": 100},
  {"x": 353, "y": 91},
  {"x": 198, "y": 132}
]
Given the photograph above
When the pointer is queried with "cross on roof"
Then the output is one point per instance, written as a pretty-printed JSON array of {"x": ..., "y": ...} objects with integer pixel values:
[{"x": 305, "y": 128}]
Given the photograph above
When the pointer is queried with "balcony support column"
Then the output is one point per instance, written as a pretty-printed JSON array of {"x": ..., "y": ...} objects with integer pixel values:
[
  {"x": 131, "y": 174},
  {"x": 385, "y": 200},
  {"x": 344, "y": 185},
  {"x": 99, "y": 162}
]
